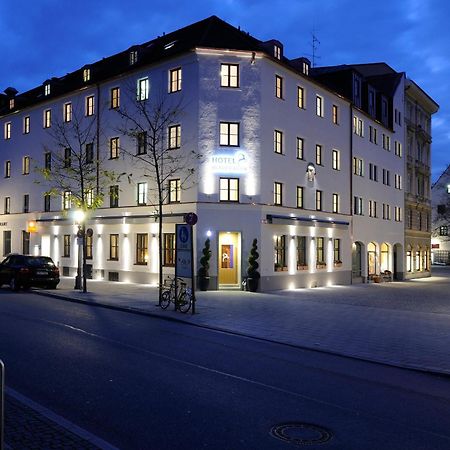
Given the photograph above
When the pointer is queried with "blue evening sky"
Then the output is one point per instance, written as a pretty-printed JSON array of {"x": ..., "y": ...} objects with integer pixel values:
[{"x": 40, "y": 39}]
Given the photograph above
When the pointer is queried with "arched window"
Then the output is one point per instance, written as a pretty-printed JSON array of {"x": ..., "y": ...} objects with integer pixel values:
[
  {"x": 372, "y": 258},
  {"x": 384, "y": 263}
]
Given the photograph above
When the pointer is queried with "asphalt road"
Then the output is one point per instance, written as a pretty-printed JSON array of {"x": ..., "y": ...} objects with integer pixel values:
[{"x": 146, "y": 383}]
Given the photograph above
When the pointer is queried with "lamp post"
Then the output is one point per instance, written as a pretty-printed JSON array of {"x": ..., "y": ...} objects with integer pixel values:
[{"x": 80, "y": 282}]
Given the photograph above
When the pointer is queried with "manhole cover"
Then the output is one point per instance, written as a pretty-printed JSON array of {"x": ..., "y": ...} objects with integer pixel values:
[{"x": 299, "y": 433}]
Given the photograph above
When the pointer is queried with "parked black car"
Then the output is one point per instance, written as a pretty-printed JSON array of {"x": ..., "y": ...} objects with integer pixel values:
[{"x": 26, "y": 271}]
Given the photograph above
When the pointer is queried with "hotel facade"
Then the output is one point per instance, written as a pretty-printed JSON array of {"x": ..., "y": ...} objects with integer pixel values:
[{"x": 309, "y": 161}]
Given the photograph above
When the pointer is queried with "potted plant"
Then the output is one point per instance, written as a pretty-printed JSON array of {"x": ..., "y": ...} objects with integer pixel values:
[
  {"x": 253, "y": 275},
  {"x": 321, "y": 264},
  {"x": 338, "y": 263},
  {"x": 203, "y": 271}
]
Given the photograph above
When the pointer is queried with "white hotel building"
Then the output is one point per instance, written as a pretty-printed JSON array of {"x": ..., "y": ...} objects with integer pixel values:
[{"x": 308, "y": 161}]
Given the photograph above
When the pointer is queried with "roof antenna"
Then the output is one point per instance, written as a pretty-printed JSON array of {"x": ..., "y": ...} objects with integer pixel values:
[{"x": 315, "y": 45}]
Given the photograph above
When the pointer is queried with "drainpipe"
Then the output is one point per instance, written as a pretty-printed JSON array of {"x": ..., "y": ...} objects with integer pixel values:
[
  {"x": 351, "y": 184},
  {"x": 97, "y": 144}
]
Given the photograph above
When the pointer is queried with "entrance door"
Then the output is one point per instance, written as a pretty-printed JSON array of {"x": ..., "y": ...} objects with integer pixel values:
[{"x": 229, "y": 259}]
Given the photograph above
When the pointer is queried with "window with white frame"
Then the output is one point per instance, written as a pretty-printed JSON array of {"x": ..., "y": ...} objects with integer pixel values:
[
  {"x": 300, "y": 148},
  {"x": 114, "y": 196},
  {"x": 336, "y": 159},
  {"x": 398, "y": 214},
  {"x": 26, "y": 203},
  {"x": 398, "y": 149},
  {"x": 26, "y": 125},
  {"x": 67, "y": 112},
  {"x": 278, "y": 86},
  {"x": 373, "y": 172},
  {"x": 229, "y": 75},
  {"x": 66, "y": 246},
  {"x": 335, "y": 114},
  {"x": 386, "y": 211},
  {"x": 174, "y": 137},
  {"x": 358, "y": 126},
  {"x": 398, "y": 181},
  {"x": 372, "y": 208},
  {"x": 336, "y": 203},
  {"x": 358, "y": 206},
  {"x": 337, "y": 250},
  {"x": 114, "y": 247},
  {"x": 133, "y": 57},
  {"x": 141, "y": 194},
  {"x": 174, "y": 190},
  {"x": 279, "y": 252},
  {"x": 319, "y": 106},
  {"x": 89, "y": 197},
  {"x": 89, "y": 107},
  {"x": 386, "y": 177},
  {"x": 320, "y": 250},
  {"x": 141, "y": 143},
  {"x": 7, "y": 169},
  {"x": 229, "y": 189},
  {"x": 278, "y": 142},
  {"x": 114, "y": 98},
  {"x": 114, "y": 146},
  {"x": 277, "y": 51},
  {"x": 318, "y": 154},
  {"x": 277, "y": 193},
  {"x": 300, "y": 196},
  {"x": 86, "y": 75},
  {"x": 7, "y": 129},
  {"x": 67, "y": 200},
  {"x": 47, "y": 202},
  {"x": 229, "y": 134},
  {"x": 26, "y": 165},
  {"x": 386, "y": 142},
  {"x": 319, "y": 195},
  {"x": 300, "y": 97},
  {"x": 358, "y": 166},
  {"x": 7, "y": 209},
  {"x": 175, "y": 80},
  {"x": 142, "y": 89},
  {"x": 141, "y": 248},
  {"x": 47, "y": 89},
  {"x": 47, "y": 118}
]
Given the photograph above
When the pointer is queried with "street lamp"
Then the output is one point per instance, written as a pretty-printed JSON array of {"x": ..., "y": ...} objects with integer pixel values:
[{"x": 79, "y": 220}]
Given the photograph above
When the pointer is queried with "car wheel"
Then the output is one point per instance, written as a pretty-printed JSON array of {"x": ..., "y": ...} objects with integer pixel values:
[{"x": 14, "y": 285}]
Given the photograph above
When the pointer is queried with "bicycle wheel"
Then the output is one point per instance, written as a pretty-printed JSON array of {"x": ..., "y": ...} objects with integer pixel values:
[
  {"x": 184, "y": 302},
  {"x": 165, "y": 300}
]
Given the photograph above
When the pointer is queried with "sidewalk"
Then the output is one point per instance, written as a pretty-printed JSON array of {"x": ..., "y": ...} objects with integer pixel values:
[{"x": 405, "y": 324}]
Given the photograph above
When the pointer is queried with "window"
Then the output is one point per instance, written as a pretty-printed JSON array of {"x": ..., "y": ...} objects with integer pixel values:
[
  {"x": 337, "y": 250},
  {"x": 398, "y": 214},
  {"x": 443, "y": 230},
  {"x": 89, "y": 149},
  {"x": 67, "y": 112},
  {"x": 175, "y": 80},
  {"x": 174, "y": 133},
  {"x": 115, "y": 97},
  {"x": 89, "y": 245},
  {"x": 386, "y": 142},
  {"x": 336, "y": 203},
  {"x": 278, "y": 142},
  {"x": 358, "y": 206},
  {"x": 229, "y": 190},
  {"x": 299, "y": 197},
  {"x": 386, "y": 177},
  {"x": 302, "y": 259},
  {"x": 48, "y": 161},
  {"x": 47, "y": 118},
  {"x": 141, "y": 141},
  {"x": 320, "y": 251},
  {"x": 319, "y": 106},
  {"x": 397, "y": 181},
  {"x": 26, "y": 124},
  {"x": 398, "y": 149},
  {"x": 89, "y": 110},
  {"x": 318, "y": 200},
  {"x": 133, "y": 57},
  {"x": 66, "y": 246},
  {"x": 8, "y": 130},
  {"x": 114, "y": 247},
  {"x": 372, "y": 208},
  {"x": 318, "y": 154},
  {"x": 277, "y": 193},
  {"x": 7, "y": 169},
  {"x": 47, "y": 89},
  {"x": 86, "y": 75},
  {"x": 6, "y": 242},
  {"x": 335, "y": 114},
  {"x": 67, "y": 157},
  {"x": 277, "y": 51},
  {"x": 278, "y": 86},
  {"x": 142, "y": 89},
  {"x": 114, "y": 148},
  {"x": 114, "y": 196},
  {"x": 142, "y": 193},
  {"x": 300, "y": 148},
  {"x": 229, "y": 134},
  {"x": 47, "y": 203},
  {"x": 373, "y": 136},
  {"x": 336, "y": 159},
  {"x": 26, "y": 203},
  {"x": 174, "y": 190},
  {"x": 67, "y": 200},
  {"x": 141, "y": 248},
  {"x": 358, "y": 126},
  {"x": 229, "y": 75},
  {"x": 300, "y": 97},
  {"x": 169, "y": 249},
  {"x": 279, "y": 252},
  {"x": 11, "y": 103},
  {"x": 373, "y": 172},
  {"x": 358, "y": 166},
  {"x": 26, "y": 165},
  {"x": 25, "y": 242},
  {"x": 89, "y": 197},
  {"x": 386, "y": 211},
  {"x": 7, "y": 209}
]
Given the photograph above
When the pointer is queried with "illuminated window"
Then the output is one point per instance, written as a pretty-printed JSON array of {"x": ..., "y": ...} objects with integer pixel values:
[
  {"x": 26, "y": 203},
  {"x": 89, "y": 246},
  {"x": 278, "y": 142},
  {"x": 26, "y": 124},
  {"x": 318, "y": 154},
  {"x": 47, "y": 202},
  {"x": 89, "y": 105},
  {"x": 358, "y": 166},
  {"x": 66, "y": 246},
  {"x": 174, "y": 190},
  {"x": 358, "y": 126},
  {"x": 114, "y": 247},
  {"x": 133, "y": 57},
  {"x": 337, "y": 250},
  {"x": 7, "y": 209},
  {"x": 86, "y": 75},
  {"x": 11, "y": 103},
  {"x": 277, "y": 51},
  {"x": 47, "y": 118},
  {"x": 89, "y": 197},
  {"x": 7, "y": 169},
  {"x": 335, "y": 114},
  {"x": 443, "y": 230},
  {"x": 229, "y": 190},
  {"x": 279, "y": 252},
  {"x": 26, "y": 165},
  {"x": 319, "y": 106},
  {"x": 175, "y": 80},
  {"x": 398, "y": 214},
  {"x": 229, "y": 75},
  {"x": 174, "y": 133},
  {"x": 7, "y": 130},
  {"x": 141, "y": 248},
  {"x": 141, "y": 194},
  {"x": 115, "y": 97},
  {"x": 114, "y": 196},
  {"x": 6, "y": 242},
  {"x": 336, "y": 159},
  {"x": 141, "y": 141},
  {"x": 47, "y": 89},
  {"x": 229, "y": 134},
  {"x": 336, "y": 203},
  {"x": 67, "y": 157},
  {"x": 358, "y": 206},
  {"x": 114, "y": 148},
  {"x": 67, "y": 112},
  {"x": 299, "y": 197},
  {"x": 277, "y": 193},
  {"x": 278, "y": 86},
  {"x": 320, "y": 250},
  {"x": 300, "y": 97},
  {"x": 300, "y": 148},
  {"x": 67, "y": 200},
  {"x": 398, "y": 149},
  {"x": 448, "y": 188},
  {"x": 302, "y": 259},
  {"x": 169, "y": 249},
  {"x": 142, "y": 89},
  {"x": 319, "y": 195}
]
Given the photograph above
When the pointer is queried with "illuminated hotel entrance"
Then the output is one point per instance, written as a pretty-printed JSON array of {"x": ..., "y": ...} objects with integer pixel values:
[{"x": 229, "y": 262}]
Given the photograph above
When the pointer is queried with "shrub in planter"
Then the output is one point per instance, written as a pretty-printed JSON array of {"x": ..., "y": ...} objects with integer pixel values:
[
  {"x": 203, "y": 271},
  {"x": 253, "y": 275}
]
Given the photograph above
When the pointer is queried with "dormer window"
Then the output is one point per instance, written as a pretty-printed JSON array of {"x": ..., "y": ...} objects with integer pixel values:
[
  {"x": 133, "y": 57},
  {"x": 47, "y": 89},
  {"x": 305, "y": 68},
  {"x": 11, "y": 103},
  {"x": 277, "y": 51},
  {"x": 86, "y": 75}
]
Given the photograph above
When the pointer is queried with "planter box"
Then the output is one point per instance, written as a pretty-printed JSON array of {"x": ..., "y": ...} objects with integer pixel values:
[
  {"x": 321, "y": 266},
  {"x": 337, "y": 264},
  {"x": 302, "y": 267}
]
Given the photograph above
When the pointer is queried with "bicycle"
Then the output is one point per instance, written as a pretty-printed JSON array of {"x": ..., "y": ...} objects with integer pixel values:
[{"x": 183, "y": 301}]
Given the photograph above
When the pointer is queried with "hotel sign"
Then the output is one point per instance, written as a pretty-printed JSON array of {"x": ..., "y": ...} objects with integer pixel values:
[{"x": 229, "y": 163}]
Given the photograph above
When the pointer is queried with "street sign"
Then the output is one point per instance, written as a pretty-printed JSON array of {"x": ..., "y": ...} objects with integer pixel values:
[
  {"x": 191, "y": 218},
  {"x": 184, "y": 263}
]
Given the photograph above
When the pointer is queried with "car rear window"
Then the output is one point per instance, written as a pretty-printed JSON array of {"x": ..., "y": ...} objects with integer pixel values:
[{"x": 39, "y": 261}]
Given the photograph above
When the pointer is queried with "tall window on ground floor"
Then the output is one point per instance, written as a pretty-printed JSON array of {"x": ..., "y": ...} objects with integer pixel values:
[
  {"x": 114, "y": 247},
  {"x": 409, "y": 261},
  {"x": 66, "y": 246},
  {"x": 89, "y": 245},
  {"x": 372, "y": 259},
  {"x": 6, "y": 242},
  {"x": 384, "y": 253},
  {"x": 337, "y": 250},
  {"x": 141, "y": 248},
  {"x": 301, "y": 252},
  {"x": 320, "y": 250},
  {"x": 229, "y": 190},
  {"x": 169, "y": 250},
  {"x": 417, "y": 261},
  {"x": 25, "y": 242},
  {"x": 280, "y": 252}
]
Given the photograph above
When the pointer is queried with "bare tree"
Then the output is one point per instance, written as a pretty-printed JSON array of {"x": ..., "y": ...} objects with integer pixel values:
[
  {"x": 154, "y": 125},
  {"x": 73, "y": 169}
]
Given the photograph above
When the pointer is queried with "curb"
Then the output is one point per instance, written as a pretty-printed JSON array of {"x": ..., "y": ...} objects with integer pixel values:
[{"x": 241, "y": 334}]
